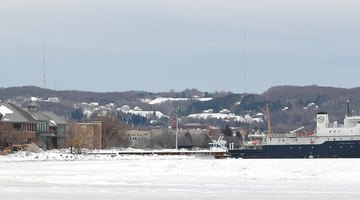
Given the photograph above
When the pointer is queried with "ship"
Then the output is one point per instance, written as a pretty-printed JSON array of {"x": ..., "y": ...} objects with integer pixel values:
[{"x": 328, "y": 140}]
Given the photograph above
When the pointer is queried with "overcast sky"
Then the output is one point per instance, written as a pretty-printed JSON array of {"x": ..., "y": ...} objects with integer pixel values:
[{"x": 159, "y": 45}]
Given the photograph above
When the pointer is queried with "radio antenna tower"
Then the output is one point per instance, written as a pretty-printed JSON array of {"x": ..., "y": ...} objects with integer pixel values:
[
  {"x": 44, "y": 64},
  {"x": 244, "y": 60}
]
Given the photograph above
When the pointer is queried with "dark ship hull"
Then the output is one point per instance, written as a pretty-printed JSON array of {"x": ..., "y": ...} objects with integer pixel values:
[{"x": 328, "y": 149}]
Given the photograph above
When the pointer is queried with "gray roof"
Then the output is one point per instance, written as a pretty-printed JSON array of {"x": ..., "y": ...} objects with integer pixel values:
[
  {"x": 39, "y": 116},
  {"x": 13, "y": 113},
  {"x": 56, "y": 118}
]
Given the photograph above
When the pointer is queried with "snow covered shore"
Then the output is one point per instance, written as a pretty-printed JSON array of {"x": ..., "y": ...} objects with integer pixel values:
[{"x": 47, "y": 176}]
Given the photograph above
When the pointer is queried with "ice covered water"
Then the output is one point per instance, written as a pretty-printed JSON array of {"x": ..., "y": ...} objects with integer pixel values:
[{"x": 177, "y": 177}]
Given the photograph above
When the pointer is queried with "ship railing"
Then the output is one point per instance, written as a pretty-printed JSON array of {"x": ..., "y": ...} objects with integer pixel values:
[
  {"x": 287, "y": 135},
  {"x": 292, "y": 135},
  {"x": 332, "y": 125},
  {"x": 252, "y": 147}
]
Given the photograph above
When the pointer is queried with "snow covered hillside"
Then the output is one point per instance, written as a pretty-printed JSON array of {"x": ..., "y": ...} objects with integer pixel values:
[{"x": 161, "y": 100}]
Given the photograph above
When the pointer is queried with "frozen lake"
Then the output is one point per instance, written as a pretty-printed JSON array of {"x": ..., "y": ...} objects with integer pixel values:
[{"x": 177, "y": 177}]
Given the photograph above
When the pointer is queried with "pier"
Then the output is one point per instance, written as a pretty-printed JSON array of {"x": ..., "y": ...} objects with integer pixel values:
[{"x": 216, "y": 154}]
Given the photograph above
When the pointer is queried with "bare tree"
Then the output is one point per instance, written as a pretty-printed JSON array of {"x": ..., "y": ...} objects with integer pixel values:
[
  {"x": 8, "y": 135},
  {"x": 113, "y": 131},
  {"x": 164, "y": 140},
  {"x": 79, "y": 137}
]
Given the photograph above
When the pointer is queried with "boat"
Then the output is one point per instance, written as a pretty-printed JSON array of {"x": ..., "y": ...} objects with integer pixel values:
[{"x": 328, "y": 140}]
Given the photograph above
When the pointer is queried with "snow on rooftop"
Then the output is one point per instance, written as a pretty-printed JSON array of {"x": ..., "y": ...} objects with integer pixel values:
[
  {"x": 125, "y": 108},
  {"x": 53, "y": 122},
  {"x": 5, "y": 110},
  {"x": 35, "y": 99}
]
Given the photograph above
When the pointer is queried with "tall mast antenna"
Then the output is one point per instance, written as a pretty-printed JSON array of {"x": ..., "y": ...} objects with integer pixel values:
[
  {"x": 244, "y": 60},
  {"x": 44, "y": 63}
]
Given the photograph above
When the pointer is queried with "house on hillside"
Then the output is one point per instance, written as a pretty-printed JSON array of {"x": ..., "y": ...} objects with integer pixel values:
[{"x": 17, "y": 127}]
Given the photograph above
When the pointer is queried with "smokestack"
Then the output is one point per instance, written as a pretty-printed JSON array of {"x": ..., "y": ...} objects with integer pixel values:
[{"x": 348, "y": 112}]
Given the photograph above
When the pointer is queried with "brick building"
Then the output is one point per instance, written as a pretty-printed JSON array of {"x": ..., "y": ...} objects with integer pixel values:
[{"x": 20, "y": 126}]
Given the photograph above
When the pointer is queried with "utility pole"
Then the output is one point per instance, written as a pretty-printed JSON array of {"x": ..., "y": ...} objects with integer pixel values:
[{"x": 177, "y": 132}]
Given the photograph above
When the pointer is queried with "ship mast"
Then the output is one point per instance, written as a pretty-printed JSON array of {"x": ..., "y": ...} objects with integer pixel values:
[
  {"x": 268, "y": 119},
  {"x": 267, "y": 112}
]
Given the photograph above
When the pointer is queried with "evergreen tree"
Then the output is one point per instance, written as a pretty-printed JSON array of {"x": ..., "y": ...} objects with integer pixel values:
[
  {"x": 77, "y": 115},
  {"x": 227, "y": 130}
]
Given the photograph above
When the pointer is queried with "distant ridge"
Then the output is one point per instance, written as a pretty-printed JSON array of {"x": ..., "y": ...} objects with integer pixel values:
[{"x": 291, "y": 106}]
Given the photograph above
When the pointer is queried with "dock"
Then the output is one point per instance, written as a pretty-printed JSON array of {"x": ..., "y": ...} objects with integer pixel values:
[{"x": 216, "y": 154}]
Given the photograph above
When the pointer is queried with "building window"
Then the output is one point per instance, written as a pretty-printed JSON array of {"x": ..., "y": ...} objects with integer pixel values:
[
  {"x": 17, "y": 127},
  {"x": 8, "y": 143}
]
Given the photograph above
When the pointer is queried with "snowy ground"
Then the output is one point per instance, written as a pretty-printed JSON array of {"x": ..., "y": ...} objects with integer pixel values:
[{"x": 63, "y": 176}]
